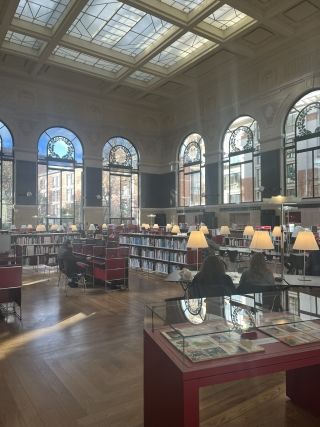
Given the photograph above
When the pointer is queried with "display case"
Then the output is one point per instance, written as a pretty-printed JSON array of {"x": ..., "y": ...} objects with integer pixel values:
[{"x": 189, "y": 344}]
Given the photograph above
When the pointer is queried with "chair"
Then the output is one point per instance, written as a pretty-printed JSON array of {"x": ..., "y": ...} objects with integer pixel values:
[{"x": 49, "y": 261}]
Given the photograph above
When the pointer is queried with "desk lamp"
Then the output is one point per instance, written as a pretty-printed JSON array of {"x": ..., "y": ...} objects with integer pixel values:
[
  {"x": 204, "y": 229},
  {"x": 305, "y": 241},
  {"x": 175, "y": 229},
  {"x": 261, "y": 240},
  {"x": 225, "y": 231},
  {"x": 197, "y": 241},
  {"x": 248, "y": 230}
]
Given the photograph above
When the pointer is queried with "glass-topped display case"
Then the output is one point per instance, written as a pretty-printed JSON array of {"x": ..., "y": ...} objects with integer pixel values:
[{"x": 207, "y": 329}]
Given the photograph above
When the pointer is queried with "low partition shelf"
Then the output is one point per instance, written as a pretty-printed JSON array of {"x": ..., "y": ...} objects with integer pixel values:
[{"x": 158, "y": 253}]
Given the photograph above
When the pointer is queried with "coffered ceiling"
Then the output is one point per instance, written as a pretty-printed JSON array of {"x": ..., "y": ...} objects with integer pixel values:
[{"x": 141, "y": 48}]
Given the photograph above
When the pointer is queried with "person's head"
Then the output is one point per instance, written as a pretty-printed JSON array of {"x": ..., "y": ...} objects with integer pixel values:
[
  {"x": 67, "y": 244},
  {"x": 257, "y": 262},
  {"x": 212, "y": 266}
]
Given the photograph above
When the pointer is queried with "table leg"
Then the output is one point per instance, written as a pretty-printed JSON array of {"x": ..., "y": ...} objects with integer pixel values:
[
  {"x": 168, "y": 400},
  {"x": 303, "y": 387}
]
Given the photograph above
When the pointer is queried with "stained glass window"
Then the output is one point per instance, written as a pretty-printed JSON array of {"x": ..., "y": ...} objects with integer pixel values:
[
  {"x": 241, "y": 162},
  {"x": 120, "y": 181},
  {"x": 6, "y": 176},
  {"x": 192, "y": 171},
  {"x": 60, "y": 158},
  {"x": 302, "y": 147}
]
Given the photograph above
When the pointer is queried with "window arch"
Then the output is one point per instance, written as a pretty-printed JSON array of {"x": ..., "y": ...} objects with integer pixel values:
[
  {"x": 6, "y": 176},
  {"x": 60, "y": 168},
  {"x": 241, "y": 161},
  {"x": 120, "y": 181},
  {"x": 192, "y": 171},
  {"x": 302, "y": 147}
]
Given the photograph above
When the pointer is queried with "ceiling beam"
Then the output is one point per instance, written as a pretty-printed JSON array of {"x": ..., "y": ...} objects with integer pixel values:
[
  {"x": 7, "y": 16},
  {"x": 70, "y": 14}
]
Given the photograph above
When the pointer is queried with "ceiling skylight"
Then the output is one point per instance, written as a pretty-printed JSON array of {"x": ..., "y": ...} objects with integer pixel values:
[
  {"x": 180, "y": 49},
  {"x": 25, "y": 41},
  {"x": 142, "y": 76},
  {"x": 225, "y": 17},
  {"x": 41, "y": 12},
  {"x": 117, "y": 26},
  {"x": 92, "y": 61},
  {"x": 184, "y": 5}
]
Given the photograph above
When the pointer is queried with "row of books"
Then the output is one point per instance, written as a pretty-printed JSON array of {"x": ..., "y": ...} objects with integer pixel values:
[{"x": 35, "y": 250}]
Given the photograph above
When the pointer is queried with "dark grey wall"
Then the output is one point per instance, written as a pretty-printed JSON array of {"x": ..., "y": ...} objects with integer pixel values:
[
  {"x": 26, "y": 181},
  {"x": 212, "y": 184},
  {"x": 93, "y": 186},
  {"x": 270, "y": 173},
  {"x": 157, "y": 191}
]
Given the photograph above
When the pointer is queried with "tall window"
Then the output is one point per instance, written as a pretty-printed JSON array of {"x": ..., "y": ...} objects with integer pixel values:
[
  {"x": 192, "y": 171},
  {"x": 6, "y": 176},
  {"x": 60, "y": 166},
  {"x": 120, "y": 180},
  {"x": 241, "y": 162},
  {"x": 302, "y": 147}
]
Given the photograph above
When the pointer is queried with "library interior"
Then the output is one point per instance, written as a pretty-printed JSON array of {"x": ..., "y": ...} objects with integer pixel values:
[{"x": 159, "y": 213}]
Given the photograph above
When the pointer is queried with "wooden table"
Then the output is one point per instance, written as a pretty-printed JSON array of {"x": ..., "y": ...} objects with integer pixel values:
[{"x": 171, "y": 383}]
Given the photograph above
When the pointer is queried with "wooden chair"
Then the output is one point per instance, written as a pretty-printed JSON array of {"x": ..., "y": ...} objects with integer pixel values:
[{"x": 10, "y": 289}]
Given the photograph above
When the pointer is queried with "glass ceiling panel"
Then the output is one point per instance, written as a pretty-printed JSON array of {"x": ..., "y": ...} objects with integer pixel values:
[
  {"x": 114, "y": 25},
  {"x": 142, "y": 76},
  {"x": 41, "y": 12},
  {"x": 92, "y": 61},
  {"x": 184, "y": 5},
  {"x": 25, "y": 41},
  {"x": 225, "y": 17},
  {"x": 180, "y": 49}
]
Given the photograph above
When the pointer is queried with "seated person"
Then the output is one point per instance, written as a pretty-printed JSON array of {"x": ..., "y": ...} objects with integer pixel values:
[
  {"x": 256, "y": 276},
  {"x": 211, "y": 280},
  {"x": 313, "y": 263},
  {"x": 68, "y": 263}
]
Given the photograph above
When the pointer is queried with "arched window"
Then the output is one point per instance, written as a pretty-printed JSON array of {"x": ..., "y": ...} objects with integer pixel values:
[
  {"x": 60, "y": 166},
  {"x": 241, "y": 162},
  {"x": 302, "y": 147},
  {"x": 192, "y": 171},
  {"x": 120, "y": 180},
  {"x": 6, "y": 176}
]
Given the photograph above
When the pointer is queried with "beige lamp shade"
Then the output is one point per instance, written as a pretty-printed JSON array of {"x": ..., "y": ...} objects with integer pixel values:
[
  {"x": 74, "y": 227},
  {"x": 276, "y": 232},
  {"x": 60, "y": 228},
  {"x": 146, "y": 226},
  {"x": 168, "y": 227},
  {"x": 261, "y": 240},
  {"x": 197, "y": 240},
  {"x": 54, "y": 227},
  {"x": 248, "y": 230},
  {"x": 225, "y": 230},
  {"x": 175, "y": 229},
  {"x": 306, "y": 241},
  {"x": 156, "y": 226},
  {"x": 204, "y": 229},
  {"x": 13, "y": 227},
  {"x": 41, "y": 227},
  {"x": 91, "y": 227},
  {"x": 30, "y": 227},
  {"x": 104, "y": 227}
]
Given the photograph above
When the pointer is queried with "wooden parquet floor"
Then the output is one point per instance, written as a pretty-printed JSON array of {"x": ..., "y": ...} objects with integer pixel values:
[{"x": 77, "y": 361}]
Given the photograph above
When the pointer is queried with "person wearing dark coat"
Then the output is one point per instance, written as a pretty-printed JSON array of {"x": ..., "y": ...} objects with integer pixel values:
[
  {"x": 67, "y": 261},
  {"x": 211, "y": 280},
  {"x": 257, "y": 276},
  {"x": 313, "y": 263}
]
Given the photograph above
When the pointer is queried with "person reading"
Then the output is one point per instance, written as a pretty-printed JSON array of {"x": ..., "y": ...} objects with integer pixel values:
[
  {"x": 211, "y": 280},
  {"x": 257, "y": 277}
]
